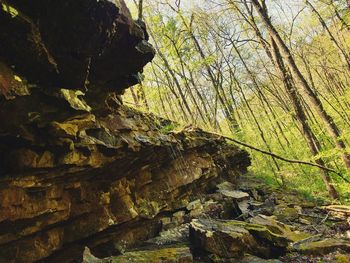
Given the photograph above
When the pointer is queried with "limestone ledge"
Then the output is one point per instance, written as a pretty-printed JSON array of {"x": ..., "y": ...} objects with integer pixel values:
[{"x": 71, "y": 173}]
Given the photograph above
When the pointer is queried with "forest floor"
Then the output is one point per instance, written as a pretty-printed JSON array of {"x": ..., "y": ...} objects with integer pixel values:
[
  {"x": 248, "y": 223},
  {"x": 327, "y": 224}
]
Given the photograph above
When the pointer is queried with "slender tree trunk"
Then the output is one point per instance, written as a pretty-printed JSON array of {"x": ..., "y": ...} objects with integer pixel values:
[
  {"x": 194, "y": 101},
  {"x": 315, "y": 101},
  {"x": 228, "y": 114},
  {"x": 165, "y": 112},
  {"x": 328, "y": 87},
  {"x": 302, "y": 119},
  {"x": 342, "y": 53},
  {"x": 140, "y": 10},
  {"x": 204, "y": 101},
  {"x": 342, "y": 21},
  {"x": 261, "y": 132},
  {"x": 177, "y": 98},
  {"x": 177, "y": 84}
]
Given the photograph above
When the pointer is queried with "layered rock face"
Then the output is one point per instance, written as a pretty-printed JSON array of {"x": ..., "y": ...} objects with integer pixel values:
[
  {"x": 67, "y": 179},
  {"x": 79, "y": 169},
  {"x": 73, "y": 44}
]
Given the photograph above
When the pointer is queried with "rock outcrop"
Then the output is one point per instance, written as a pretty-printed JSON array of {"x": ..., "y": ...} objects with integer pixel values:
[
  {"x": 79, "y": 169},
  {"x": 84, "y": 178},
  {"x": 73, "y": 44},
  {"x": 69, "y": 174}
]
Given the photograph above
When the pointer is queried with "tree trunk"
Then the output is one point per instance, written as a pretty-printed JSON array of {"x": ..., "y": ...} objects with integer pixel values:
[
  {"x": 342, "y": 53},
  {"x": 315, "y": 101},
  {"x": 228, "y": 114},
  {"x": 311, "y": 139}
]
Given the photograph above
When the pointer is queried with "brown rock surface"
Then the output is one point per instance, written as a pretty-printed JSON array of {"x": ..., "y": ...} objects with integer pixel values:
[
  {"x": 79, "y": 168},
  {"x": 73, "y": 44},
  {"x": 71, "y": 176}
]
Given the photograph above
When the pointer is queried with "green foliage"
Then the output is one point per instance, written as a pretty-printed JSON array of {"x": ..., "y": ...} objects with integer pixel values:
[
  {"x": 168, "y": 128},
  {"x": 264, "y": 113},
  {"x": 9, "y": 9}
]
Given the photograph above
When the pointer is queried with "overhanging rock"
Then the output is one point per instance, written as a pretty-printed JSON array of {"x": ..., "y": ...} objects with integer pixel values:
[
  {"x": 73, "y": 44},
  {"x": 77, "y": 172}
]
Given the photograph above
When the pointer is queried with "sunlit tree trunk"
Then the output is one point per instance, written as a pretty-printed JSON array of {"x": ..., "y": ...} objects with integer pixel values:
[
  {"x": 260, "y": 130},
  {"x": 315, "y": 101},
  {"x": 193, "y": 99},
  {"x": 177, "y": 84},
  {"x": 342, "y": 52},
  {"x": 227, "y": 111},
  {"x": 311, "y": 139}
]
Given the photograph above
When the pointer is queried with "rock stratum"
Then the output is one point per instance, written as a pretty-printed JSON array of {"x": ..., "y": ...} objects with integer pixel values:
[{"x": 79, "y": 169}]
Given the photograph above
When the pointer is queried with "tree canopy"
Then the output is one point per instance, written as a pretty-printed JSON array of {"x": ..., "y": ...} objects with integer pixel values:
[{"x": 273, "y": 74}]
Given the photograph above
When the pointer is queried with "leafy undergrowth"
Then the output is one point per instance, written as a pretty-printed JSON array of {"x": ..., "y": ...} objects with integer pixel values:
[{"x": 305, "y": 180}]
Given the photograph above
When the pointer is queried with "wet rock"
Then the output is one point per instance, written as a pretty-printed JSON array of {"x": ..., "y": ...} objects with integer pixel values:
[
  {"x": 174, "y": 235},
  {"x": 252, "y": 259},
  {"x": 243, "y": 207},
  {"x": 205, "y": 208},
  {"x": 255, "y": 205},
  {"x": 237, "y": 202},
  {"x": 279, "y": 234},
  {"x": 231, "y": 239},
  {"x": 11, "y": 85},
  {"x": 228, "y": 190},
  {"x": 195, "y": 205},
  {"x": 286, "y": 214},
  {"x": 246, "y": 259},
  {"x": 179, "y": 217},
  {"x": 237, "y": 195},
  {"x": 173, "y": 221},
  {"x": 89, "y": 258},
  {"x": 115, "y": 240},
  {"x": 180, "y": 254},
  {"x": 222, "y": 238},
  {"x": 166, "y": 223},
  {"x": 322, "y": 247}
]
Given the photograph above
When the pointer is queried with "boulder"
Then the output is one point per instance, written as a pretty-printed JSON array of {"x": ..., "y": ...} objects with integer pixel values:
[
  {"x": 222, "y": 238},
  {"x": 322, "y": 247},
  {"x": 252, "y": 259},
  {"x": 229, "y": 190},
  {"x": 264, "y": 237}
]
